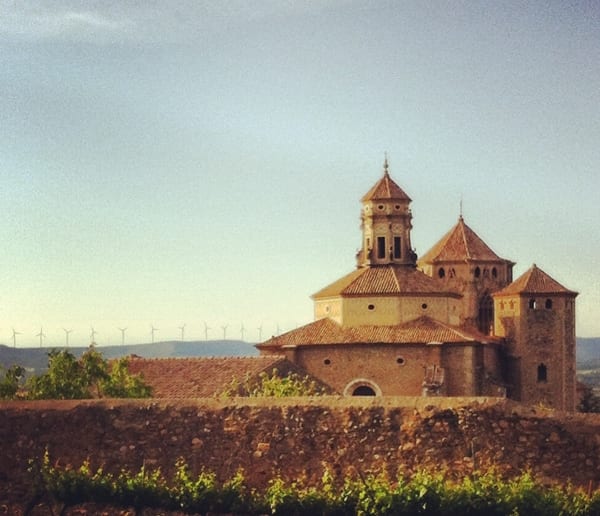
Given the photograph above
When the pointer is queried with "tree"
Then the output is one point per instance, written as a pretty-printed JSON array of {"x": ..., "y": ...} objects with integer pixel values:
[
  {"x": 88, "y": 377},
  {"x": 589, "y": 402},
  {"x": 64, "y": 379},
  {"x": 9, "y": 383}
]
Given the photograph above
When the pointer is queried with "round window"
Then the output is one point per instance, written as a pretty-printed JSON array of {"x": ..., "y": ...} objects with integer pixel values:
[
  {"x": 371, "y": 307},
  {"x": 400, "y": 361}
]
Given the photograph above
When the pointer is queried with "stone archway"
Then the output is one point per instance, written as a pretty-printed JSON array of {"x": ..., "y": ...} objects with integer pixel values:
[{"x": 362, "y": 387}]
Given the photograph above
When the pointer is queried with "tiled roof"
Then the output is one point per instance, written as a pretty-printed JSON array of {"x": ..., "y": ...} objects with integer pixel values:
[
  {"x": 200, "y": 377},
  {"x": 386, "y": 189},
  {"x": 534, "y": 281},
  {"x": 461, "y": 243},
  {"x": 383, "y": 280},
  {"x": 423, "y": 330}
]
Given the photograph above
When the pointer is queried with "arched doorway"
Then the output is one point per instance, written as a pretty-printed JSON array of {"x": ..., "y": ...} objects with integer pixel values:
[{"x": 362, "y": 387}]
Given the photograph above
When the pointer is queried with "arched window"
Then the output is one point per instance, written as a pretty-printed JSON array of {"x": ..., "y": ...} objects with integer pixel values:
[
  {"x": 542, "y": 373},
  {"x": 532, "y": 304},
  {"x": 485, "y": 319},
  {"x": 477, "y": 272},
  {"x": 441, "y": 272},
  {"x": 494, "y": 272},
  {"x": 548, "y": 304},
  {"x": 362, "y": 387},
  {"x": 397, "y": 247},
  {"x": 380, "y": 247},
  {"x": 363, "y": 390}
]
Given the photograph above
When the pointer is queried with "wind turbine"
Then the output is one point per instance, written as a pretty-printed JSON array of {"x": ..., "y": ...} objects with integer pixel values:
[
  {"x": 41, "y": 335},
  {"x": 242, "y": 331},
  {"x": 67, "y": 336},
  {"x": 15, "y": 333},
  {"x": 152, "y": 330},
  {"x": 224, "y": 328},
  {"x": 206, "y": 328},
  {"x": 93, "y": 334},
  {"x": 122, "y": 330},
  {"x": 182, "y": 328},
  {"x": 259, "y": 333}
]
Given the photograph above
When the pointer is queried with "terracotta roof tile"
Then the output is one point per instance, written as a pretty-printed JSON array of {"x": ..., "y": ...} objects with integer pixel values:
[
  {"x": 461, "y": 243},
  {"x": 423, "y": 330},
  {"x": 534, "y": 281},
  {"x": 200, "y": 377},
  {"x": 383, "y": 280},
  {"x": 385, "y": 189}
]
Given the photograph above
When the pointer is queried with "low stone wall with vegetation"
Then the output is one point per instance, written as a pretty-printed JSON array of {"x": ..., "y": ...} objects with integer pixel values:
[{"x": 299, "y": 438}]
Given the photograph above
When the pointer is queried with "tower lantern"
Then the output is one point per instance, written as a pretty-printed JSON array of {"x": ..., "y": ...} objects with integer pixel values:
[{"x": 386, "y": 221}]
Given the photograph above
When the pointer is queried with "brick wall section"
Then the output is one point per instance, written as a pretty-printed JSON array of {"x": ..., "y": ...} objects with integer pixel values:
[{"x": 297, "y": 438}]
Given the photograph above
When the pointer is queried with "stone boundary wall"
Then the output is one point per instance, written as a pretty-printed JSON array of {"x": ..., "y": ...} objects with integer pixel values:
[{"x": 297, "y": 438}]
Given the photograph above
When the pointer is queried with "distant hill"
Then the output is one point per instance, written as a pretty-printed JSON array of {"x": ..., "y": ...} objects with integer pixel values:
[
  {"x": 588, "y": 350},
  {"x": 36, "y": 359}
]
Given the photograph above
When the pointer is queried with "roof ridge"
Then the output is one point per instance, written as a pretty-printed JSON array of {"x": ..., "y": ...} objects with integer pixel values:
[
  {"x": 535, "y": 281},
  {"x": 394, "y": 269},
  {"x": 462, "y": 225},
  {"x": 203, "y": 357},
  {"x": 461, "y": 243}
]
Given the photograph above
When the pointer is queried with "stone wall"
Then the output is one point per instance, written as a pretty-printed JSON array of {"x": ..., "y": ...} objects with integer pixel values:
[{"x": 298, "y": 438}]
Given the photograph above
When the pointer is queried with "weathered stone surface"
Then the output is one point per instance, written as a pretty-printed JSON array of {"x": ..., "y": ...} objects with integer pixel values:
[{"x": 298, "y": 438}]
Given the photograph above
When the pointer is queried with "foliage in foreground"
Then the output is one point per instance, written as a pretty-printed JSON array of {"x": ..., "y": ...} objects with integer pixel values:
[
  {"x": 90, "y": 376},
  {"x": 273, "y": 385},
  {"x": 424, "y": 493}
]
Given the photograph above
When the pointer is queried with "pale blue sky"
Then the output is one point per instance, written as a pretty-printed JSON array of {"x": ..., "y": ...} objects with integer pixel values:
[{"x": 187, "y": 162}]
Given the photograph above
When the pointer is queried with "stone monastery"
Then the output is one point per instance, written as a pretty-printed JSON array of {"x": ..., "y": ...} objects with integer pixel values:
[{"x": 450, "y": 323}]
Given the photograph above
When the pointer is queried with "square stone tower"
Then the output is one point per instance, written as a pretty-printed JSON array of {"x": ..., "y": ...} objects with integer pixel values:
[{"x": 536, "y": 316}]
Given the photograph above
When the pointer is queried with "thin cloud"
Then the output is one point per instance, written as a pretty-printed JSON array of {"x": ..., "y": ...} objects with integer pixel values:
[
  {"x": 142, "y": 21},
  {"x": 38, "y": 23},
  {"x": 93, "y": 20}
]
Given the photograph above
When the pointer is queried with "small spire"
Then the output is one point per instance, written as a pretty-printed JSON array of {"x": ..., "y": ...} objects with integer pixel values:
[
  {"x": 385, "y": 165},
  {"x": 460, "y": 214}
]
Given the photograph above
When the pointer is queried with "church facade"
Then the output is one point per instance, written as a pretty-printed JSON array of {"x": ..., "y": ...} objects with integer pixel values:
[{"x": 450, "y": 323}]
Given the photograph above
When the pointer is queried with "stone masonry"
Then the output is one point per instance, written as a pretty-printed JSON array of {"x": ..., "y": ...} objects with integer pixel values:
[{"x": 298, "y": 438}]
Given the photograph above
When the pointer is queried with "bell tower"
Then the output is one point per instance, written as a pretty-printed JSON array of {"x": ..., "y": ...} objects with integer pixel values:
[{"x": 386, "y": 221}]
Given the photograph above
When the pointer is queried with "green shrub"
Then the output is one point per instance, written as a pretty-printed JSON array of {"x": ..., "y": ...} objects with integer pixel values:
[
  {"x": 273, "y": 385},
  {"x": 371, "y": 495}
]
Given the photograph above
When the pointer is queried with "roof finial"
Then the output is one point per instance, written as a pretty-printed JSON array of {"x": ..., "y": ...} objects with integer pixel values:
[
  {"x": 385, "y": 165},
  {"x": 461, "y": 208}
]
